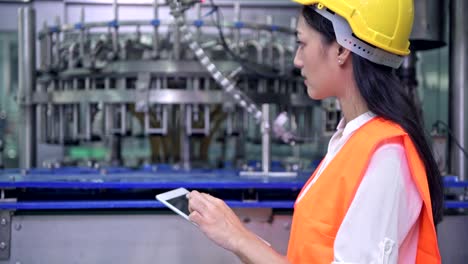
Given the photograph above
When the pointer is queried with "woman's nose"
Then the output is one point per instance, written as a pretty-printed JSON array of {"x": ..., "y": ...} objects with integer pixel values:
[{"x": 297, "y": 60}]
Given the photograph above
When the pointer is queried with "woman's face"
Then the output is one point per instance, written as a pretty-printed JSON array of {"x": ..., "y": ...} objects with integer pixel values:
[{"x": 317, "y": 62}]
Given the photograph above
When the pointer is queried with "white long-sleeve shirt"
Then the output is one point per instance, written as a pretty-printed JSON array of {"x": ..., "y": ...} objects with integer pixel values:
[{"x": 381, "y": 224}]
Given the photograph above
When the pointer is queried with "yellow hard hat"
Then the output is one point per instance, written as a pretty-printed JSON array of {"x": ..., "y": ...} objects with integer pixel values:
[{"x": 384, "y": 24}]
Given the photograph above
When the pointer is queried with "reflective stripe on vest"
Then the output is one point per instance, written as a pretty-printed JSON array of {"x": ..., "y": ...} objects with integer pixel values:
[{"x": 318, "y": 215}]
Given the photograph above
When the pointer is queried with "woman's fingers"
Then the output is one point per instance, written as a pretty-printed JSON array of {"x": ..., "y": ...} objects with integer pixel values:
[
  {"x": 207, "y": 206},
  {"x": 195, "y": 217},
  {"x": 198, "y": 202},
  {"x": 211, "y": 199},
  {"x": 215, "y": 219}
]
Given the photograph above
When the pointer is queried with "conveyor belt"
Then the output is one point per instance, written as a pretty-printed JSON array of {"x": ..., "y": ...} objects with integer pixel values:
[
  {"x": 121, "y": 178},
  {"x": 157, "y": 179}
]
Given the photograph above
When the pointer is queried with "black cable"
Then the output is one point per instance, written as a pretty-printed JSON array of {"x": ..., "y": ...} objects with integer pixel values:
[
  {"x": 449, "y": 131},
  {"x": 187, "y": 5},
  {"x": 258, "y": 69}
]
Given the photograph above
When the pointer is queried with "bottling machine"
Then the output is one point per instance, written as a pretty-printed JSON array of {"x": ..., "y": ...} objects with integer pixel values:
[{"x": 194, "y": 94}]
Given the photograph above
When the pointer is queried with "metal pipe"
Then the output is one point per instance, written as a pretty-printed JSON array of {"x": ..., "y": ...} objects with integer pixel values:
[
  {"x": 281, "y": 56},
  {"x": 49, "y": 122},
  {"x": 27, "y": 82},
  {"x": 6, "y": 68},
  {"x": 188, "y": 119},
  {"x": 21, "y": 44},
  {"x": 87, "y": 83},
  {"x": 138, "y": 34},
  {"x": 258, "y": 49},
  {"x": 57, "y": 43},
  {"x": 229, "y": 123},
  {"x": 292, "y": 39},
  {"x": 82, "y": 35},
  {"x": 107, "y": 83},
  {"x": 87, "y": 113},
  {"x": 158, "y": 107},
  {"x": 61, "y": 124},
  {"x": 237, "y": 18},
  {"x": 271, "y": 36},
  {"x": 206, "y": 120},
  {"x": 195, "y": 86},
  {"x": 50, "y": 47},
  {"x": 184, "y": 140},
  {"x": 115, "y": 31},
  {"x": 44, "y": 45},
  {"x": 75, "y": 114},
  {"x": 75, "y": 127},
  {"x": 56, "y": 124},
  {"x": 266, "y": 138},
  {"x": 458, "y": 86},
  {"x": 40, "y": 120},
  {"x": 108, "y": 119},
  {"x": 428, "y": 25},
  {"x": 199, "y": 18},
  {"x": 71, "y": 59},
  {"x": 177, "y": 43},
  {"x": 156, "y": 30},
  {"x": 88, "y": 121},
  {"x": 123, "y": 119},
  {"x": 207, "y": 111},
  {"x": 261, "y": 87}
]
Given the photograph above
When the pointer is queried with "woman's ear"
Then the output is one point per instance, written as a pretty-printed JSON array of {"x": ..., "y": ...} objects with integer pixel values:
[{"x": 342, "y": 55}]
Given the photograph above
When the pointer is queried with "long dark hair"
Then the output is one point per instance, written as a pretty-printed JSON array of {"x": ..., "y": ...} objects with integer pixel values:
[{"x": 385, "y": 97}]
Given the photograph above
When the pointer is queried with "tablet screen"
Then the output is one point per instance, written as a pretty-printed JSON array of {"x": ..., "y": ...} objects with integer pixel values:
[{"x": 181, "y": 203}]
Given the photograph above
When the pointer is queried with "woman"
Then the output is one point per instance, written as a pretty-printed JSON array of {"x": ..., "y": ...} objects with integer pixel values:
[{"x": 377, "y": 195}]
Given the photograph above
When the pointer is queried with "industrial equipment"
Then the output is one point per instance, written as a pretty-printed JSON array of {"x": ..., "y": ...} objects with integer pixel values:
[
  {"x": 117, "y": 110},
  {"x": 177, "y": 87}
]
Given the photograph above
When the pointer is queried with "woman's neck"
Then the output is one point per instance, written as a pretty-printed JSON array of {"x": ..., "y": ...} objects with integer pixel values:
[{"x": 352, "y": 103}]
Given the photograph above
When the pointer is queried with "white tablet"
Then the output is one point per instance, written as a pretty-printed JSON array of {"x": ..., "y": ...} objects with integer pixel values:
[{"x": 176, "y": 200}]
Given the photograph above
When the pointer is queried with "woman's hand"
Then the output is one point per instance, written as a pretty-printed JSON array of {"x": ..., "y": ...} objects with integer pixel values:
[
  {"x": 216, "y": 220},
  {"x": 219, "y": 223}
]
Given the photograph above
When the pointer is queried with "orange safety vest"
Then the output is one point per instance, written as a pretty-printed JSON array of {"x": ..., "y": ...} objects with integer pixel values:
[{"x": 319, "y": 214}]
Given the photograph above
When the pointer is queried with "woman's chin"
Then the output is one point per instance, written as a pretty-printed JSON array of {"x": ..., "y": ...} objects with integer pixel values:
[{"x": 314, "y": 95}]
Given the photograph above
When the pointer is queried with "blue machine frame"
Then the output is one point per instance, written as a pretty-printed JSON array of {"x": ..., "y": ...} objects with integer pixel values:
[{"x": 156, "y": 178}]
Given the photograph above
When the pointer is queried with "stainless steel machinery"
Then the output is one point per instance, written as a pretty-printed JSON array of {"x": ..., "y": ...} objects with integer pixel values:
[
  {"x": 180, "y": 85},
  {"x": 119, "y": 106}
]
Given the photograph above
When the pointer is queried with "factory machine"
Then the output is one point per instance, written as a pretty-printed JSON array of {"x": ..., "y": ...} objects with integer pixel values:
[
  {"x": 117, "y": 111},
  {"x": 178, "y": 87}
]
